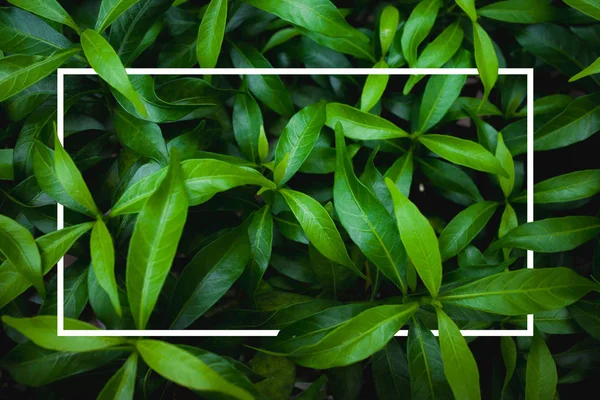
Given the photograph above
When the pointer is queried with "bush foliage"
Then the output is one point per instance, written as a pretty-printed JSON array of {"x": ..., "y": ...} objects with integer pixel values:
[{"x": 335, "y": 208}]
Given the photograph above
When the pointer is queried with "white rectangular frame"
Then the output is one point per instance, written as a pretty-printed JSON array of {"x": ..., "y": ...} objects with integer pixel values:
[{"x": 62, "y": 72}]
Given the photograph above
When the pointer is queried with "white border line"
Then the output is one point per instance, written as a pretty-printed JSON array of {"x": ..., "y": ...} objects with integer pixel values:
[{"x": 285, "y": 71}]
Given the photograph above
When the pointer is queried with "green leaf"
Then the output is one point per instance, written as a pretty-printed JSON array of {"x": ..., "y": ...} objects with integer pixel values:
[
  {"x": 463, "y": 152},
  {"x": 388, "y": 25},
  {"x": 508, "y": 222},
  {"x": 417, "y": 27},
  {"x": 105, "y": 61},
  {"x": 524, "y": 291},
  {"x": 485, "y": 58},
  {"x": 280, "y": 168},
  {"x": 47, "y": 179},
  {"x": 247, "y": 124},
  {"x": 103, "y": 260},
  {"x": 130, "y": 29},
  {"x": 263, "y": 145},
  {"x": 468, "y": 6},
  {"x": 260, "y": 234},
  {"x": 279, "y": 38},
  {"x": 418, "y": 238},
  {"x": 321, "y": 160},
  {"x": 460, "y": 367},
  {"x": 593, "y": 68},
  {"x": 209, "y": 275},
  {"x": 143, "y": 137},
  {"x": 588, "y": 7},
  {"x": 579, "y": 121},
  {"x": 49, "y": 9},
  {"x": 374, "y": 87},
  {"x": 311, "y": 329},
  {"x": 551, "y": 235},
  {"x": 449, "y": 177},
  {"x": 366, "y": 220},
  {"x": 358, "y": 338},
  {"x": 427, "y": 380},
  {"x": 109, "y": 11},
  {"x": 372, "y": 178},
  {"x": 75, "y": 292},
  {"x": 437, "y": 53},
  {"x": 236, "y": 372},
  {"x": 280, "y": 375},
  {"x": 154, "y": 242},
  {"x": 360, "y": 125},
  {"x": 24, "y": 33},
  {"x": 506, "y": 161},
  {"x": 557, "y": 46},
  {"x": 52, "y": 247},
  {"x": 519, "y": 11},
  {"x": 298, "y": 139},
  {"x": 541, "y": 375},
  {"x": 18, "y": 72},
  {"x": 42, "y": 331},
  {"x": 318, "y": 227},
  {"x": 202, "y": 178},
  {"x": 6, "y": 164},
  {"x": 320, "y": 16},
  {"x": 347, "y": 45},
  {"x": 464, "y": 228},
  {"x": 509, "y": 355},
  {"x": 71, "y": 179},
  {"x": 185, "y": 369},
  {"x": 564, "y": 188},
  {"x": 19, "y": 248},
  {"x": 587, "y": 315},
  {"x": 121, "y": 385},
  {"x": 267, "y": 88},
  {"x": 401, "y": 173},
  {"x": 31, "y": 365},
  {"x": 211, "y": 33},
  {"x": 390, "y": 372},
  {"x": 441, "y": 92}
]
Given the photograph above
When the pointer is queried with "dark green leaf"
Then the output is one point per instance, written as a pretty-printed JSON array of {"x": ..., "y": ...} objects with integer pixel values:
[
  {"x": 390, "y": 372},
  {"x": 551, "y": 235},
  {"x": 519, "y": 11},
  {"x": 520, "y": 292},
  {"x": 209, "y": 275},
  {"x": 267, "y": 88},
  {"x": 110, "y": 10},
  {"x": 49, "y": 9},
  {"x": 580, "y": 120},
  {"x": 18, "y": 72},
  {"x": 541, "y": 372}
]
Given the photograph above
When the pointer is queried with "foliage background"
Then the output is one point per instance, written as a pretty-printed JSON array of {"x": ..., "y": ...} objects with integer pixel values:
[{"x": 555, "y": 38}]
